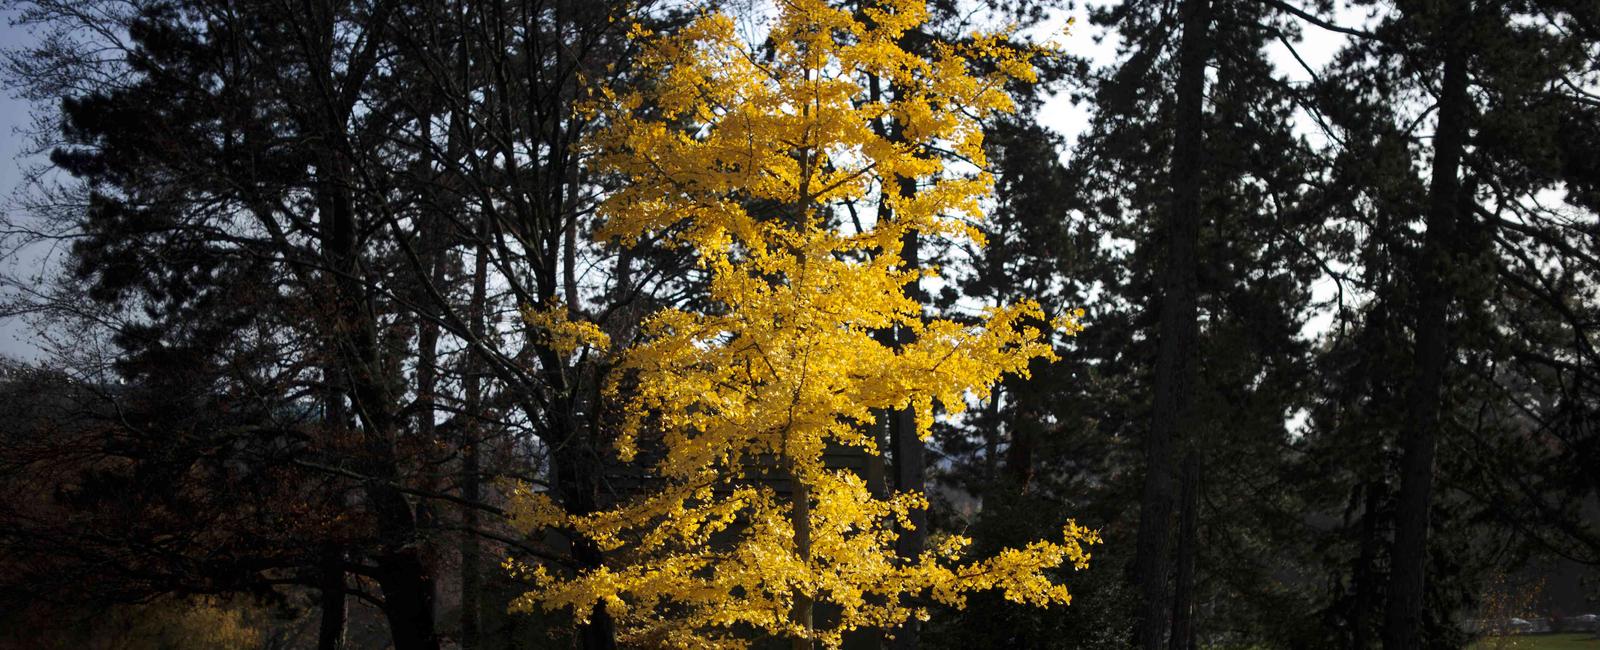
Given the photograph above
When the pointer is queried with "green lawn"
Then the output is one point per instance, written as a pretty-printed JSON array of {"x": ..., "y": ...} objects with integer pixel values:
[{"x": 1579, "y": 641}]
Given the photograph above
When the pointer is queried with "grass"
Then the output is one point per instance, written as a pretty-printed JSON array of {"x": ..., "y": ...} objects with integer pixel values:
[{"x": 1563, "y": 641}]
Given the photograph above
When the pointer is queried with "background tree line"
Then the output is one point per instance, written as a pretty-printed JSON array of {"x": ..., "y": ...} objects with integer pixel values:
[{"x": 1339, "y": 362}]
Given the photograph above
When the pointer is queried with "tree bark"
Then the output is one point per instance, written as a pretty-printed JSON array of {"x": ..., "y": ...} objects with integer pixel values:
[
  {"x": 991, "y": 439},
  {"x": 331, "y": 627},
  {"x": 335, "y": 612},
  {"x": 1365, "y": 572},
  {"x": 408, "y": 592},
  {"x": 909, "y": 461},
  {"x": 471, "y": 555},
  {"x": 909, "y": 452},
  {"x": 1019, "y": 454},
  {"x": 1171, "y": 411},
  {"x": 577, "y": 473},
  {"x": 406, "y": 581},
  {"x": 1402, "y": 627},
  {"x": 898, "y": 428},
  {"x": 1183, "y": 619},
  {"x": 800, "y": 518}
]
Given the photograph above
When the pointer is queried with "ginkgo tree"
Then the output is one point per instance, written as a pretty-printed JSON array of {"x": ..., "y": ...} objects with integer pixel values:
[{"x": 749, "y": 154}]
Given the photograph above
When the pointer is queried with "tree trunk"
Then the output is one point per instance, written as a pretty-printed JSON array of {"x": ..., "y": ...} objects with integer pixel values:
[
  {"x": 908, "y": 474},
  {"x": 567, "y": 163},
  {"x": 407, "y": 593},
  {"x": 800, "y": 518},
  {"x": 577, "y": 473},
  {"x": 991, "y": 439},
  {"x": 431, "y": 251},
  {"x": 600, "y": 631},
  {"x": 335, "y": 612},
  {"x": 1402, "y": 626},
  {"x": 402, "y": 574},
  {"x": 405, "y": 578},
  {"x": 904, "y": 446},
  {"x": 1171, "y": 412},
  {"x": 909, "y": 460},
  {"x": 909, "y": 453},
  {"x": 471, "y": 555},
  {"x": 1365, "y": 574},
  {"x": 331, "y": 628},
  {"x": 1019, "y": 454},
  {"x": 1188, "y": 546}
]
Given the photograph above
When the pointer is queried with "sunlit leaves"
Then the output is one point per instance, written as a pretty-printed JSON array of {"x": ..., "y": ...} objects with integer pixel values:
[{"x": 747, "y": 154}]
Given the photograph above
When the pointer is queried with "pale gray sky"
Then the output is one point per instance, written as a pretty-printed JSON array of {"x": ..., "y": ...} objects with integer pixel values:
[{"x": 15, "y": 340}]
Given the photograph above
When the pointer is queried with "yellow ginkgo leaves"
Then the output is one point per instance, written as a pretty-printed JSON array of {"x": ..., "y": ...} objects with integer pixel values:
[{"x": 750, "y": 155}]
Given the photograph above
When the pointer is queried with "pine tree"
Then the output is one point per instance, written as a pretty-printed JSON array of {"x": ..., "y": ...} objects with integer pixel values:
[
  {"x": 1254, "y": 255},
  {"x": 1426, "y": 368}
]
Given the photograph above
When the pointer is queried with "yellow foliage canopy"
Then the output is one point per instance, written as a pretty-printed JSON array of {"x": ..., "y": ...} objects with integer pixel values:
[{"x": 748, "y": 157}]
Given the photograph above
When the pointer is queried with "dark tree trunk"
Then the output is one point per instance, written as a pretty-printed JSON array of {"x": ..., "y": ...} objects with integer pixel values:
[
  {"x": 991, "y": 439},
  {"x": 577, "y": 474},
  {"x": 1402, "y": 624},
  {"x": 909, "y": 452},
  {"x": 471, "y": 555},
  {"x": 800, "y": 517},
  {"x": 331, "y": 627},
  {"x": 908, "y": 474},
  {"x": 600, "y": 631},
  {"x": 1019, "y": 454},
  {"x": 1171, "y": 412},
  {"x": 405, "y": 578},
  {"x": 431, "y": 250},
  {"x": 1183, "y": 622},
  {"x": 1365, "y": 575},
  {"x": 905, "y": 447},
  {"x": 331, "y": 572},
  {"x": 567, "y": 210},
  {"x": 407, "y": 594},
  {"x": 578, "y": 460}
]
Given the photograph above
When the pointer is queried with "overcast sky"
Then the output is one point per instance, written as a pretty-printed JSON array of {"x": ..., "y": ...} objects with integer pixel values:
[{"x": 14, "y": 117}]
